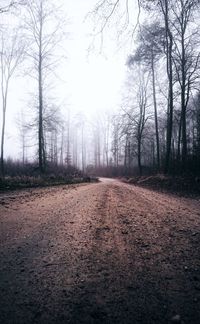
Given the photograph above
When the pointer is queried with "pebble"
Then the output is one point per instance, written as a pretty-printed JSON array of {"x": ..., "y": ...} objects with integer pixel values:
[{"x": 176, "y": 319}]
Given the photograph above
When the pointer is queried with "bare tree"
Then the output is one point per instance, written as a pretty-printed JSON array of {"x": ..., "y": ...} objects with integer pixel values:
[
  {"x": 52, "y": 127},
  {"x": 176, "y": 34},
  {"x": 24, "y": 129},
  {"x": 43, "y": 31},
  {"x": 116, "y": 140},
  {"x": 68, "y": 128},
  {"x": 106, "y": 125},
  {"x": 106, "y": 11},
  {"x": 138, "y": 116},
  {"x": 186, "y": 59},
  {"x": 80, "y": 123},
  {"x": 150, "y": 49},
  {"x": 11, "y": 54}
]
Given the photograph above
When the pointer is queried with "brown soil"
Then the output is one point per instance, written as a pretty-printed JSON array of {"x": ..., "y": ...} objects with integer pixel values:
[{"x": 99, "y": 253}]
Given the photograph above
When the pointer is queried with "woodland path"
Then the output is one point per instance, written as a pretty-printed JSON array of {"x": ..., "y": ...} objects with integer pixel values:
[{"x": 99, "y": 253}]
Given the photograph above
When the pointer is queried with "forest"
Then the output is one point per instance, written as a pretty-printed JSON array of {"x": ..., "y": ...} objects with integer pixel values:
[
  {"x": 99, "y": 161},
  {"x": 156, "y": 126}
]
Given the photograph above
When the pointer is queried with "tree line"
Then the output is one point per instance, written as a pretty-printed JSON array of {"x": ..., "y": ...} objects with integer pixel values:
[{"x": 157, "y": 126}]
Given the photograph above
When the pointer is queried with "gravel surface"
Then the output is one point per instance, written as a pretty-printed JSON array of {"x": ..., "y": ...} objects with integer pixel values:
[{"x": 99, "y": 253}]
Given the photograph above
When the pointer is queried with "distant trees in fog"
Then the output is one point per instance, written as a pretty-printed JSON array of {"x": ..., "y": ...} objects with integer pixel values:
[{"x": 11, "y": 55}]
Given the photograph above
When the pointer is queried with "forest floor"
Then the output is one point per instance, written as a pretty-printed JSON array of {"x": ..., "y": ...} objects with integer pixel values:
[
  {"x": 188, "y": 186},
  {"x": 105, "y": 252}
]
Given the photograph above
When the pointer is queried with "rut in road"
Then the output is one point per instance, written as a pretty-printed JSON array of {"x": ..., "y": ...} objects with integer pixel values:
[{"x": 99, "y": 253}]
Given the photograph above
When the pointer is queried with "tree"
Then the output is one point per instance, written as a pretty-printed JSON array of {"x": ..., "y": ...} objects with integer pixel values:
[
  {"x": 106, "y": 123},
  {"x": 174, "y": 33},
  {"x": 81, "y": 121},
  {"x": 116, "y": 141},
  {"x": 138, "y": 116},
  {"x": 52, "y": 126},
  {"x": 24, "y": 129},
  {"x": 164, "y": 6},
  {"x": 149, "y": 50},
  {"x": 43, "y": 31},
  {"x": 11, "y": 55},
  {"x": 186, "y": 59},
  {"x": 107, "y": 10}
]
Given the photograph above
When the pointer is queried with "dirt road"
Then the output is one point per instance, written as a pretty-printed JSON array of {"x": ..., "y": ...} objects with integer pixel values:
[{"x": 99, "y": 253}]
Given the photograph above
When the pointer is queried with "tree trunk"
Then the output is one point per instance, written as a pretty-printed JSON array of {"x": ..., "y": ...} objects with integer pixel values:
[
  {"x": 40, "y": 130},
  {"x": 139, "y": 157},
  {"x": 126, "y": 154},
  {"x": 4, "y": 103},
  {"x": 183, "y": 103},
  {"x": 83, "y": 155},
  {"x": 169, "y": 44},
  {"x": 179, "y": 139},
  {"x": 40, "y": 93},
  {"x": 155, "y": 112},
  {"x": 198, "y": 129},
  {"x": 2, "y": 142}
]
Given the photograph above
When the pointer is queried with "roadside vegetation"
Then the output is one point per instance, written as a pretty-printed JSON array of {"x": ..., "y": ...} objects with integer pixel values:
[
  {"x": 19, "y": 175},
  {"x": 179, "y": 185}
]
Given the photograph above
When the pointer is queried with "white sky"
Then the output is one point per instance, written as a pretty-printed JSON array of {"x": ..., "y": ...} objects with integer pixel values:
[
  {"x": 93, "y": 81},
  {"x": 90, "y": 83}
]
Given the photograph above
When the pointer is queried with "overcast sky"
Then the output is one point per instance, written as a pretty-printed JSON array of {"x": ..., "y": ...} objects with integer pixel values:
[
  {"x": 93, "y": 80},
  {"x": 88, "y": 82}
]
